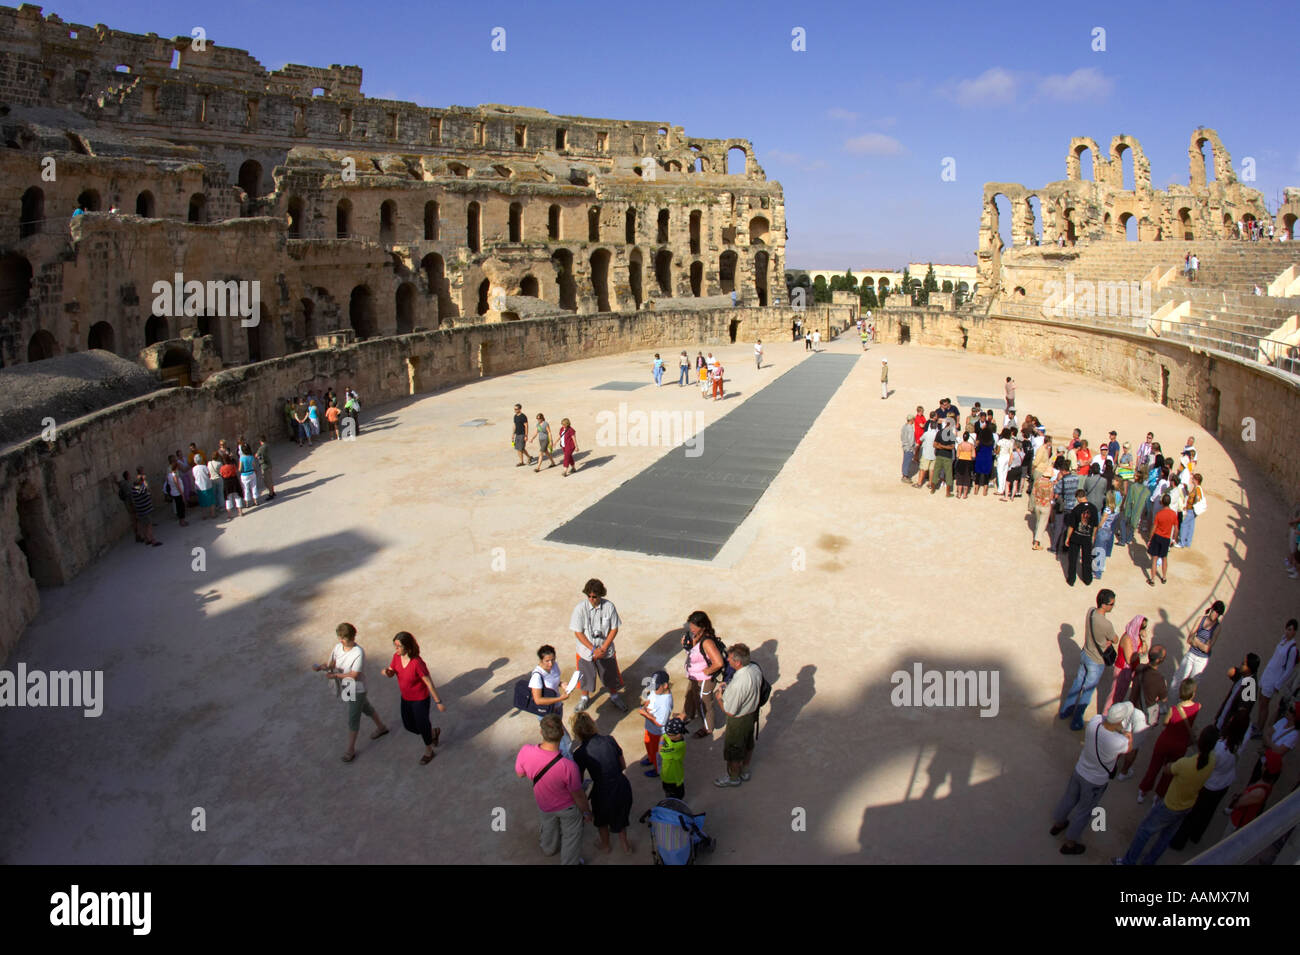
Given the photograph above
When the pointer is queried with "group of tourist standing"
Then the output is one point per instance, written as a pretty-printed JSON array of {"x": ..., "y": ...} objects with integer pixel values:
[
  {"x": 1090, "y": 499},
  {"x": 716, "y": 676},
  {"x": 1263, "y": 702},
  {"x": 235, "y": 477},
  {"x": 307, "y": 415}
]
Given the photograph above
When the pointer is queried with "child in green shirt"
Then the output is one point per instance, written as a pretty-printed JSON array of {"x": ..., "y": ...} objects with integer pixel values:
[{"x": 672, "y": 752}]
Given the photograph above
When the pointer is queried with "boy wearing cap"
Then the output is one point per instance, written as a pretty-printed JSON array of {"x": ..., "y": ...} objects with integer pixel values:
[
  {"x": 672, "y": 759},
  {"x": 884, "y": 376},
  {"x": 656, "y": 709}
]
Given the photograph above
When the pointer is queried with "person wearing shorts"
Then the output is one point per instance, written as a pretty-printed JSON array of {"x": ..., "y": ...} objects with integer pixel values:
[
  {"x": 1162, "y": 529},
  {"x": 595, "y": 624},
  {"x": 740, "y": 704},
  {"x": 346, "y": 664},
  {"x": 519, "y": 439}
]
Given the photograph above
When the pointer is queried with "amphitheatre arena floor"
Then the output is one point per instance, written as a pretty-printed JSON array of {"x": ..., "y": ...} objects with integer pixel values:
[{"x": 209, "y": 700}]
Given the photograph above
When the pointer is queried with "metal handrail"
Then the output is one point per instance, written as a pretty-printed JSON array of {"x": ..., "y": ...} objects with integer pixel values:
[{"x": 1237, "y": 344}]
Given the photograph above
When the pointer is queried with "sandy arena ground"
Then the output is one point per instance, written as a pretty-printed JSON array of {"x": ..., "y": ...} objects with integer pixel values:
[{"x": 210, "y": 701}]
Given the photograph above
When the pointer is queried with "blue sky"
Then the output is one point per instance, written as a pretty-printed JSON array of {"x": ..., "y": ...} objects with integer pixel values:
[{"x": 857, "y": 125}]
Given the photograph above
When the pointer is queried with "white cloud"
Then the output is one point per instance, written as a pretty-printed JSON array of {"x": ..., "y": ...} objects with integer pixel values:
[
  {"x": 836, "y": 112},
  {"x": 874, "y": 144},
  {"x": 993, "y": 87},
  {"x": 1082, "y": 85}
]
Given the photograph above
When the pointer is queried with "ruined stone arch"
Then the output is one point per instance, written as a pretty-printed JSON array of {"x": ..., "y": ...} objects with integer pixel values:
[
  {"x": 431, "y": 220},
  {"x": 155, "y": 330},
  {"x": 361, "y": 311},
  {"x": 404, "y": 302},
  {"x": 695, "y": 220},
  {"x": 553, "y": 223},
  {"x": 89, "y": 200},
  {"x": 102, "y": 336},
  {"x": 295, "y": 209},
  {"x": 1072, "y": 158},
  {"x": 388, "y": 222},
  {"x": 528, "y": 286},
  {"x": 1185, "y": 223},
  {"x": 761, "y": 260},
  {"x": 759, "y": 230},
  {"x": 600, "y": 278},
  {"x": 437, "y": 286},
  {"x": 664, "y": 271},
  {"x": 1120, "y": 145},
  {"x": 629, "y": 226},
  {"x": 727, "y": 271},
  {"x": 473, "y": 227},
  {"x": 250, "y": 178},
  {"x": 738, "y": 165},
  {"x": 41, "y": 346},
  {"x": 697, "y": 278},
  {"x": 635, "y": 273},
  {"x": 593, "y": 224},
  {"x": 1220, "y": 159},
  {"x": 516, "y": 226},
  {"x": 145, "y": 206},
  {"x": 562, "y": 261},
  {"x": 32, "y": 212},
  {"x": 343, "y": 219},
  {"x": 198, "y": 208},
  {"x": 15, "y": 283}
]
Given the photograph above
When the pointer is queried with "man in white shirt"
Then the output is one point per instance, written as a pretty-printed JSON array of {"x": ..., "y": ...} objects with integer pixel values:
[
  {"x": 817, "y": 339},
  {"x": 1104, "y": 742},
  {"x": 758, "y": 354},
  {"x": 595, "y": 624},
  {"x": 347, "y": 664},
  {"x": 1276, "y": 671}
]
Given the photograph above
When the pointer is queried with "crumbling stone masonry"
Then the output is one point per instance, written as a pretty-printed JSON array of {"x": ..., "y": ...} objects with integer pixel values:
[
  {"x": 359, "y": 217},
  {"x": 1078, "y": 210}
]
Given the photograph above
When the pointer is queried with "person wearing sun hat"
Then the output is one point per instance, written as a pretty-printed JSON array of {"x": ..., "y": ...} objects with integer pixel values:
[
  {"x": 1124, "y": 463},
  {"x": 884, "y": 378}
]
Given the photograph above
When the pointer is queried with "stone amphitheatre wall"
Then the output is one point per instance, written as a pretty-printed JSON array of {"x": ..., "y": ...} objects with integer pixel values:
[
  {"x": 1078, "y": 210},
  {"x": 1213, "y": 390},
  {"x": 60, "y": 498},
  {"x": 371, "y": 216}
]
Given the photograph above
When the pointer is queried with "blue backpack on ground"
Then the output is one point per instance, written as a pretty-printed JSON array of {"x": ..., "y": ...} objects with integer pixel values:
[{"x": 676, "y": 833}]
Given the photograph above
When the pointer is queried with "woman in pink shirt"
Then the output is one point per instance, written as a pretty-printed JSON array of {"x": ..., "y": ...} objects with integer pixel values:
[
  {"x": 418, "y": 692},
  {"x": 1127, "y": 657}
]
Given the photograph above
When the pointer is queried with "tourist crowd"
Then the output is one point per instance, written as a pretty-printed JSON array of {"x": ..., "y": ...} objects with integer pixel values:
[
  {"x": 724, "y": 689},
  {"x": 1085, "y": 499},
  {"x": 1189, "y": 771},
  {"x": 238, "y": 476}
]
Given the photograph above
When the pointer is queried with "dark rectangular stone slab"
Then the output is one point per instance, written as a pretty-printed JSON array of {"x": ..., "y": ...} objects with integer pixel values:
[{"x": 683, "y": 506}]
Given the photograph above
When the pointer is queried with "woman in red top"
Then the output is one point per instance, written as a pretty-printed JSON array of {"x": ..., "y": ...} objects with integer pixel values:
[
  {"x": 418, "y": 691},
  {"x": 1127, "y": 658},
  {"x": 1083, "y": 457},
  {"x": 568, "y": 444},
  {"x": 1173, "y": 741}
]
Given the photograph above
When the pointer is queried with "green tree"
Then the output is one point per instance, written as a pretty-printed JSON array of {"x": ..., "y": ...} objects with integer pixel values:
[
  {"x": 947, "y": 285},
  {"x": 837, "y": 283},
  {"x": 850, "y": 281},
  {"x": 820, "y": 292},
  {"x": 867, "y": 296}
]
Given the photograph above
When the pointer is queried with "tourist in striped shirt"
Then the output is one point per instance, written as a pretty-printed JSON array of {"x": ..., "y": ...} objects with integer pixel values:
[{"x": 142, "y": 501}]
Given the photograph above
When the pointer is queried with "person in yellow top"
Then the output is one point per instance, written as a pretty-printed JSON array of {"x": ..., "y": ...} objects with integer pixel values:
[
  {"x": 1195, "y": 497},
  {"x": 1186, "y": 778},
  {"x": 704, "y": 380}
]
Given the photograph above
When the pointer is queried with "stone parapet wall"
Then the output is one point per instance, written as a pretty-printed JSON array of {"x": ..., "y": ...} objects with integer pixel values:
[{"x": 60, "y": 498}]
